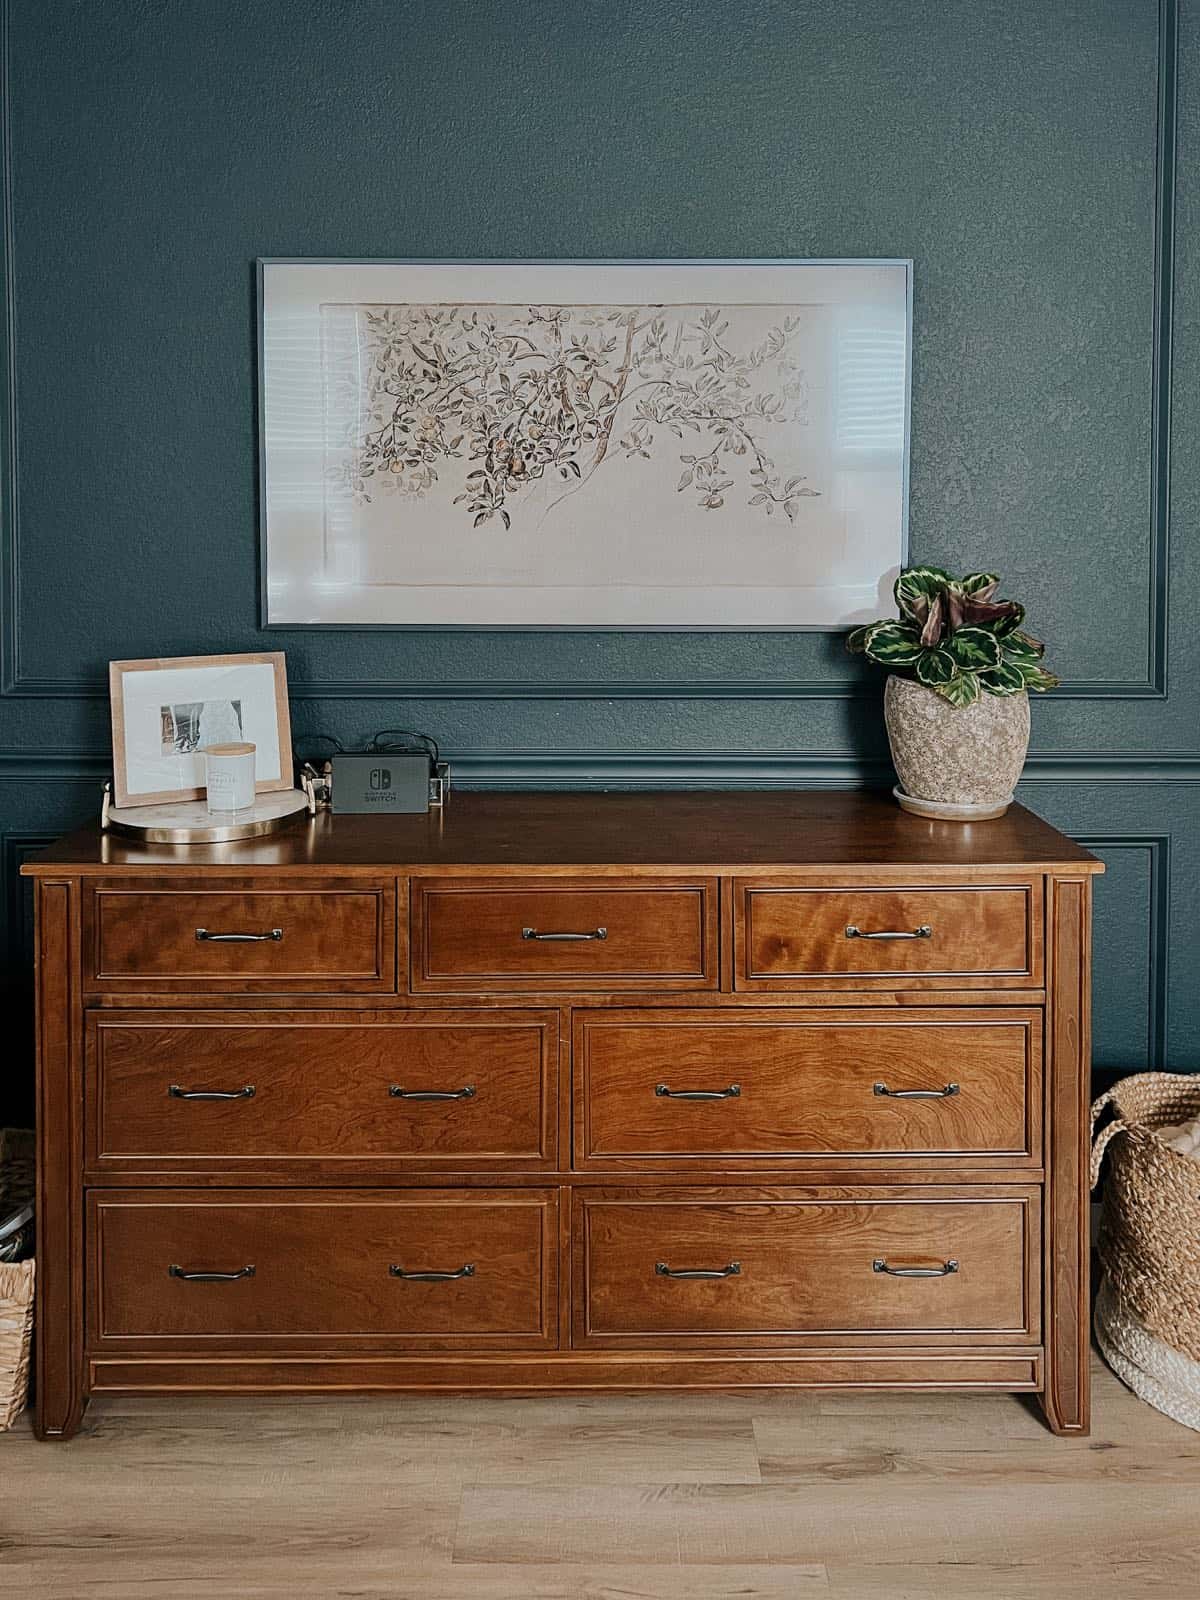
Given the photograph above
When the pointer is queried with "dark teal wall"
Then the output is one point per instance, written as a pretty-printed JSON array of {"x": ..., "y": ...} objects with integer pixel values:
[{"x": 1021, "y": 151}]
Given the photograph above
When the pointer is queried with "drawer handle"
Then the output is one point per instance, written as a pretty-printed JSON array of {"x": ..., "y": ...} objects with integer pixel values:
[
  {"x": 272, "y": 936},
  {"x": 176, "y": 1093},
  {"x": 923, "y": 932},
  {"x": 944, "y": 1271},
  {"x": 916, "y": 1094},
  {"x": 732, "y": 1093},
  {"x": 432, "y": 1277},
  {"x": 210, "y": 1277},
  {"x": 731, "y": 1271},
  {"x": 467, "y": 1092},
  {"x": 563, "y": 938}
]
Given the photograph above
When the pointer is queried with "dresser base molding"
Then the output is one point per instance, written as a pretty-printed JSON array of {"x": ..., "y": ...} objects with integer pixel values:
[{"x": 813, "y": 1369}]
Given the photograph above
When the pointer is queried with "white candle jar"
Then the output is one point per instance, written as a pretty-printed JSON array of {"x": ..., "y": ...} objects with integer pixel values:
[{"x": 229, "y": 776}]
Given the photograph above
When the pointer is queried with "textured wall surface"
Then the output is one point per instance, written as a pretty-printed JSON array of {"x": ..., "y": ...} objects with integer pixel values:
[{"x": 1023, "y": 152}]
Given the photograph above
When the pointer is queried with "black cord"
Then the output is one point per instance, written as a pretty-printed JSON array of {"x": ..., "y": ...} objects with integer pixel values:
[
  {"x": 390, "y": 741},
  {"x": 423, "y": 742},
  {"x": 339, "y": 748}
]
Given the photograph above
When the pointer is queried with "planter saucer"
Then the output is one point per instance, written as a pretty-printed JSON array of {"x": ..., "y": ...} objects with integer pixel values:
[{"x": 943, "y": 811}]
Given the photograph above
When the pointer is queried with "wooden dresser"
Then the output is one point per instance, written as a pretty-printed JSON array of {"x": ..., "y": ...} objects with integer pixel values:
[{"x": 567, "y": 1090}]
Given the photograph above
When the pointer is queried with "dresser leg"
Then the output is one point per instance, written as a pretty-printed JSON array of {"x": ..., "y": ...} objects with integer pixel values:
[
  {"x": 1066, "y": 1400},
  {"x": 60, "y": 1416},
  {"x": 1077, "y": 1424},
  {"x": 58, "y": 1311}
]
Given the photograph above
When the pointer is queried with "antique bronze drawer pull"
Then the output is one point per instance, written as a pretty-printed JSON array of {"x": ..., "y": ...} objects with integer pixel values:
[
  {"x": 272, "y": 936},
  {"x": 923, "y": 932},
  {"x": 432, "y": 1277},
  {"x": 944, "y": 1271},
  {"x": 467, "y": 1092},
  {"x": 176, "y": 1093},
  {"x": 563, "y": 938},
  {"x": 732, "y": 1093},
  {"x": 209, "y": 1277},
  {"x": 916, "y": 1094},
  {"x": 664, "y": 1271}
]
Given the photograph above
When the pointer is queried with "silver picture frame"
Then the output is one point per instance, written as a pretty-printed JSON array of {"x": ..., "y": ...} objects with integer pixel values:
[{"x": 338, "y": 552}]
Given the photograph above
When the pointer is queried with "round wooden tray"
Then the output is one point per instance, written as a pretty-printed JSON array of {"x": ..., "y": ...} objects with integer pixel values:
[{"x": 191, "y": 822}]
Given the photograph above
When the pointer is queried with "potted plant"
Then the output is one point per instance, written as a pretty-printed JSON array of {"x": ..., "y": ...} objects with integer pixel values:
[{"x": 956, "y": 700}]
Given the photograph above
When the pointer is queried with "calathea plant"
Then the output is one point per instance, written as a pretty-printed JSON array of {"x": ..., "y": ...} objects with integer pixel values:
[{"x": 955, "y": 638}]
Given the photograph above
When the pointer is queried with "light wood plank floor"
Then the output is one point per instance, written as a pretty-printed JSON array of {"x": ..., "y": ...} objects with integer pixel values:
[{"x": 750, "y": 1496}]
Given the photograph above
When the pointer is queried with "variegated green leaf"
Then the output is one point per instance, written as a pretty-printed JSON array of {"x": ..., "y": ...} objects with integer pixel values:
[
  {"x": 856, "y": 642},
  {"x": 1014, "y": 616},
  {"x": 1020, "y": 647},
  {"x": 936, "y": 667},
  {"x": 979, "y": 585},
  {"x": 1037, "y": 678},
  {"x": 895, "y": 644},
  {"x": 974, "y": 648},
  {"x": 962, "y": 690},
  {"x": 1003, "y": 679},
  {"x": 916, "y": 588}
]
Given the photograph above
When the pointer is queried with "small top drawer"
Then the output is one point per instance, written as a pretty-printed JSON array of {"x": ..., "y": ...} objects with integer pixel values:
[
  {"x": 794, "y": 936},
  {"x": 225, "y": 937},
  {"x": 550, "y": 934}
]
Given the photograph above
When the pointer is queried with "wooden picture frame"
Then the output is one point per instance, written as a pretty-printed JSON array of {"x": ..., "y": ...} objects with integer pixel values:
[{"x": 166, "y": 708}]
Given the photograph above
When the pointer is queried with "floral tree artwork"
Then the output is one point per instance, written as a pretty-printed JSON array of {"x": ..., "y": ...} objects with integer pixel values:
[
  {"x": 496, "y": 400},
  {"x": 583, "y": 444}
]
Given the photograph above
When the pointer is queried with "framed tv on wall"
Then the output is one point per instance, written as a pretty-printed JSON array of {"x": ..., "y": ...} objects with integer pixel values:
[{"x": 582, "y": 444}]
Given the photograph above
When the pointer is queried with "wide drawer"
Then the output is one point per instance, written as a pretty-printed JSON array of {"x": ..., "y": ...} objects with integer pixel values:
[
  {"x": 438, "y": 1267},
  {"x": 747, "y": 1087},
  {"x": 564, "y": 934},
  {"x": 743, "y": 1266},
  {"x": 234, "y": 937},
  {"x": 461, "y": 1089},
  {"x": 799, "y": 936}
]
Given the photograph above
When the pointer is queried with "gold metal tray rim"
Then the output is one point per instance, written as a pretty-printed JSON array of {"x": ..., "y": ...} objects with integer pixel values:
[{"x": 160, "y": 832}]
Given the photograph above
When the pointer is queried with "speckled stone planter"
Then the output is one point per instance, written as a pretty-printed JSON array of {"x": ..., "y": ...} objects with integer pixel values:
[{"x": 961, "y": 764}]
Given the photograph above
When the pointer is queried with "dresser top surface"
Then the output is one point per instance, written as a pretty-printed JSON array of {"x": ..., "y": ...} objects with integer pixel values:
[{"x": 721, "y": 830}]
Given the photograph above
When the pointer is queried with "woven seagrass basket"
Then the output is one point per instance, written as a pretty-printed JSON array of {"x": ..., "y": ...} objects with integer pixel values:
[
  {"x": 1150, "y": 1239},
  {"x": 16, "y": 1277}
]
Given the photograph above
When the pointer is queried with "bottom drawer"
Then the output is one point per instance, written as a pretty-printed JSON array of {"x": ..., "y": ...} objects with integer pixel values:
[
  {"x": 655, "y": 1266},
  {"x": 435, "y": 1268}
]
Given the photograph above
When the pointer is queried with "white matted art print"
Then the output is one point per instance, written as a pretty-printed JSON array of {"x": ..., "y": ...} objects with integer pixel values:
[
  {"x": 583, "y": 444},
  {"x": 167, "y": 710}
]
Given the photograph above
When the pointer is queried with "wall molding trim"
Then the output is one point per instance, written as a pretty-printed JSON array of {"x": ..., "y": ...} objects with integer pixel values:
[
  {"x": 860, "y": 688},
  {"x": 721, "y": 769},
  {"x": 14, "y": 685},
  {"x": 16, "y": 846},
  {"x": 1162, "y": 342},
  {"x": 9, "y": 474},
  {"x": 1158, "y": 848}
]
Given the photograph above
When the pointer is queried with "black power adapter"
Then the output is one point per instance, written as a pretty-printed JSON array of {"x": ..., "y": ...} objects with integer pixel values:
[{"x": 399, "y": 772}]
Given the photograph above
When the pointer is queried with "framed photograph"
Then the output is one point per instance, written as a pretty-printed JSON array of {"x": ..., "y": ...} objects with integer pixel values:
[
  {"x": 586, "y": 444},
  {"x": 165, "y": 712}
]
